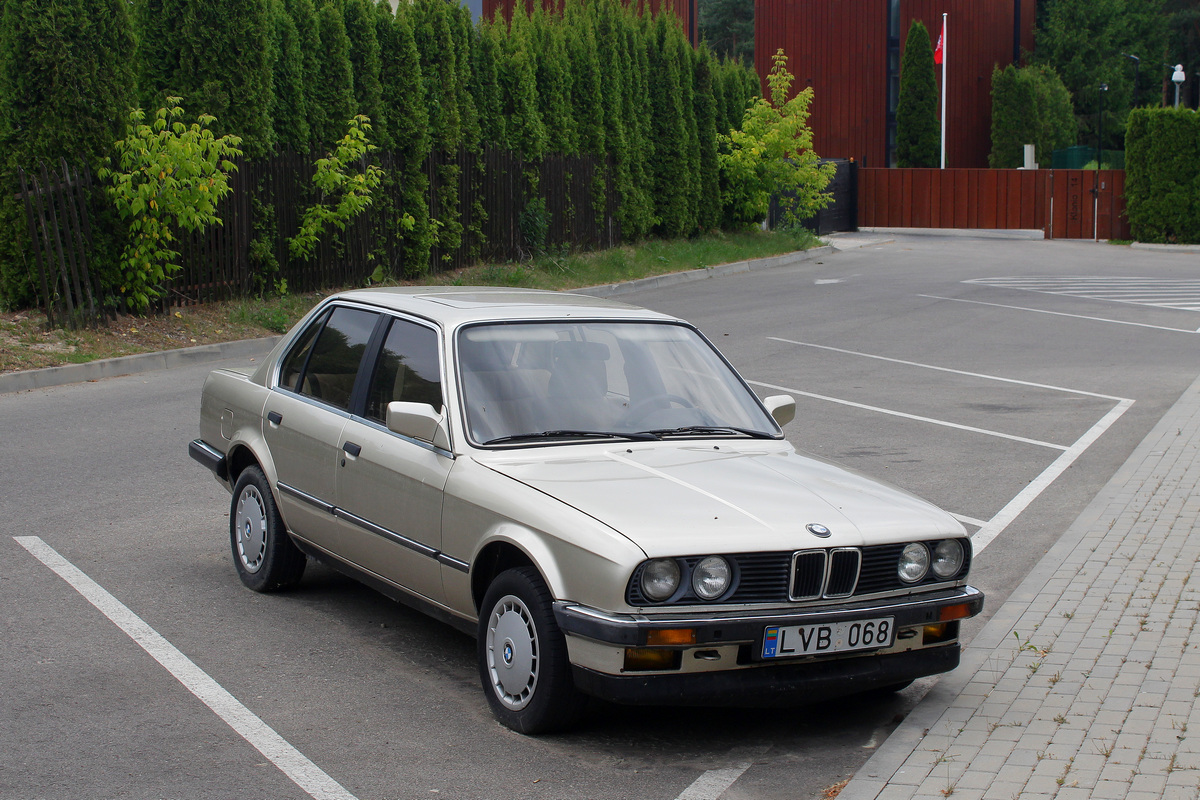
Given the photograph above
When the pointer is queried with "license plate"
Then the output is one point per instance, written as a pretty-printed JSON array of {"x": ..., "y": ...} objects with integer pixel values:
[{"x": 834, "y": 637}]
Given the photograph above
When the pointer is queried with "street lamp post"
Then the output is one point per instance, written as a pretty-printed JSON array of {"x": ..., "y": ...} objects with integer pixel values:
[
  {"x": 1137, "y": 63},
  {"x": 1178, "y": 78}
]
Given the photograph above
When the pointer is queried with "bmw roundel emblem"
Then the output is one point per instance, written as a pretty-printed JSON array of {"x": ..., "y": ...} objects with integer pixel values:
[{"x": 818, "y": 530}]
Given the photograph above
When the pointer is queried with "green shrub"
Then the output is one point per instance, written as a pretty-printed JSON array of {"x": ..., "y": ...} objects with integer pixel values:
[
  {"x": 1030, "y": 105},
  {"x": 918, "y": 132},
  {"x": 1162, "y": 175}
]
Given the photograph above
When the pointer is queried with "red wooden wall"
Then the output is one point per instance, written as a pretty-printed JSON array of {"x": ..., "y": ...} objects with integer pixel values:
[
  {"x": 686, "y": 10},
  {"x": 1059, "y": 201},
  {"x": 839, "y": 47}
]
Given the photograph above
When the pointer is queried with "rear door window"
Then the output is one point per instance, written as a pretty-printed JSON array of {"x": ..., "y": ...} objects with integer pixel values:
[{"x": 331, "y": 367}]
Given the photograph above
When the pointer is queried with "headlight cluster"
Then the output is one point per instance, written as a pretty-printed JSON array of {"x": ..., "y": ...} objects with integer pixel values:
[
  {"x": 917, "y": 559},
  {"x": 709, "y": 579}
]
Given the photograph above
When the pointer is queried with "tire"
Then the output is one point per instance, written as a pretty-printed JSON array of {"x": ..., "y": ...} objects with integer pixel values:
[
  {"x": 523, "y": 662},
  {"x": 264, "y": 555}
]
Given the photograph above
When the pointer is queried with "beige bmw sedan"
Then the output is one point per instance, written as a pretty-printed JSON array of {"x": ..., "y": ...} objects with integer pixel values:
[{"x": 588, "y": 488}]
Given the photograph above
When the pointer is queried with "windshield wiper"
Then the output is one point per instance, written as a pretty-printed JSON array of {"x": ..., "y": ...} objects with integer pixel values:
[
  {"x": 641, "y": 436},
  {"x": 753, "y": 434}
]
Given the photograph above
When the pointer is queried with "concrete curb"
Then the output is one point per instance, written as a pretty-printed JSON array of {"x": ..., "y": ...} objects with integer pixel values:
[
  {"x": 1167, "y": 248},
  {"x": 130, "y": 365},
  {"x": 705, "y": 273},
  {"x": 166, "y": 359},
  {"x": 963, "y": 233},
  {"x": 906, "y": 739}
]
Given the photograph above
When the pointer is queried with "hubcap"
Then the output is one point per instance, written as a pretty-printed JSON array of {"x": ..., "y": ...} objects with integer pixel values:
[
  {"x": 250, "y": 523},
  {"x": 512, "y": 652}
]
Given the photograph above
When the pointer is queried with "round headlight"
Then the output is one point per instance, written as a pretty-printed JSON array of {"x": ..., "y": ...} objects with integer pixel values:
[
  {"x": 948, "y": 558},
  {"x": 660, "y": 578},
  {"x": 711, "y": 577},
  {"x": 914, "y": 562}
]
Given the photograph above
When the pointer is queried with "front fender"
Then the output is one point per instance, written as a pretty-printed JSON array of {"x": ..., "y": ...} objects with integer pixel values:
[{"x": 580, "y": 558}]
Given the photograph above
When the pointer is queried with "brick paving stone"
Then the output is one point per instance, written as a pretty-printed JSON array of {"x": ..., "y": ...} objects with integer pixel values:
[{"x": 1107, "y": 641}]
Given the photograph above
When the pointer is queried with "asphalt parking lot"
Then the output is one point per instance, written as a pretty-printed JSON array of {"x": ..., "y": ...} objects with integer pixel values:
[{"x": 1004, "y": 379}]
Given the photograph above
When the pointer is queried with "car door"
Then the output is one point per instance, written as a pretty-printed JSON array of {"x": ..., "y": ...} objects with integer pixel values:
[
  {"x": 305, "y": 414},
  {"x": 389, "y": 487}
]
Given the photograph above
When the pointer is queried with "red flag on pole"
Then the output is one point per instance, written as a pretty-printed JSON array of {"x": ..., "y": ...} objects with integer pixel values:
[{"x": 937, "y": 51}]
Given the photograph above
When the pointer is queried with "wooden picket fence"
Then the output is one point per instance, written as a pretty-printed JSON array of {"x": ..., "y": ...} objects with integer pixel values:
[{"x": 247, "y": 252}]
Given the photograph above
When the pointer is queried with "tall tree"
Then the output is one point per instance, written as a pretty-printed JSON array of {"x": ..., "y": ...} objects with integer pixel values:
[
  {"x": 403, "y": 97},
  {"x": 66, "y": 86},
  {"x": 288, "y": 105},
  {"x": 1084, "y": 39},
  {"x": 331, "y": 96},
  {"x": 157, "y": 28},
  {"x": 308, "y": 38},
  {"x": 709, "y": 185},
  {"x": 364, "y": 62},
  {"x": 668, "y": 134},
  {"x": 918, "y": 131},
  {"x": 225, "y": 69}
]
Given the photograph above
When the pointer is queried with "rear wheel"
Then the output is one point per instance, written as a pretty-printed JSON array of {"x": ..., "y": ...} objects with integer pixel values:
[
  {"x": 264, "y": 555},
  {"x": 523, "y": 662}
]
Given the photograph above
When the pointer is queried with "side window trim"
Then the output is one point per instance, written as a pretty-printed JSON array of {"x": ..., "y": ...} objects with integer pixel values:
[
  {"x": 370, "y": 356},
  {"x": 375, "y": 353},
  {"x": 319, "y": 325}
]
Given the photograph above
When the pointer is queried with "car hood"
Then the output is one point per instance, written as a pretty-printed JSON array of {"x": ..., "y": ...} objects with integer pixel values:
[{"x": 673, "y": 499}]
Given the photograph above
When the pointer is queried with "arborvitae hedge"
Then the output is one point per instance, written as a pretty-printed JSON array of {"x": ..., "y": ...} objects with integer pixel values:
[
  {"x": 66, "y": 84},
  {"x": 918, "y": 131},
  {"x": 331, "y": 101},
  {"x": 365, "y": 64},
  {"x": 157, "y": 27},
  {"x": 308, "y": 38},
  {"x": 408, "y": 124},
  {"x": 290, "y": 73},
  {"x": 225, "y": 70},
  {"x": 1162, "y": 175},
  {"x": 288, "y": 101}
]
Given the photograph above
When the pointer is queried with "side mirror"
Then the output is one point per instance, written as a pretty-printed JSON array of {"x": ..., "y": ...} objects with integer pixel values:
[
  {"x": 782, "y": 407},
  {"x": 418, "y": 421}
]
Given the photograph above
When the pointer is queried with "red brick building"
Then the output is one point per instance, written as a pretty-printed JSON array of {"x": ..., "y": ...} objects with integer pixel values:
[{"x": 849, "y": 52}]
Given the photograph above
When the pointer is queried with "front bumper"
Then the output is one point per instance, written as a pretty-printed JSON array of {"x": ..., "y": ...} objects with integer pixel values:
[
  {"x": 741, "y": 626},
  {"x": 721, "y": 662}
]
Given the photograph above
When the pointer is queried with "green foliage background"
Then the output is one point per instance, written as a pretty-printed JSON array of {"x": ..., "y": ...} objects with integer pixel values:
[{"x": 597, "y": 79}]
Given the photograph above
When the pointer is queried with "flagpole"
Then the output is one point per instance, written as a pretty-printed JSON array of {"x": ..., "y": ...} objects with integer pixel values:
[{"x": 945, "y": 42}]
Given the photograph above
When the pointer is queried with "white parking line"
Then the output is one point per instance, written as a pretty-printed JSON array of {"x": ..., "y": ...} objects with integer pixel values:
[
  {"x": 712, "y": 784},
  {"x": 989, "y": 530},
  {"x": 1059, "y": 314},
  {"x": 307, "y": 775},
  {"x": 930, "y": 420}
]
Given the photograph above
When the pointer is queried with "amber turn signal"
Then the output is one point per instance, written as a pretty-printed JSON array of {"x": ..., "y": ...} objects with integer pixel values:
[
  {"x": 670, "y": 636},
  {"x": 960, "y": 611}
]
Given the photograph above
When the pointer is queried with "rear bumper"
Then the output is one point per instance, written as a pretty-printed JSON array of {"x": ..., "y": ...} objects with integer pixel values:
[{"x": 210, "y": 457}]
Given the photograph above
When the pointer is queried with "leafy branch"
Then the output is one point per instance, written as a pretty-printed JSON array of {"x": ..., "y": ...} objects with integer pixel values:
[
  {"x": 345, "y": 192},
  {"x": 168, "y": 175}
]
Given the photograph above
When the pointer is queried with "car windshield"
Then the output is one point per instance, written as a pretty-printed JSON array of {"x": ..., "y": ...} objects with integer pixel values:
[{"x": 556, "y": 381}]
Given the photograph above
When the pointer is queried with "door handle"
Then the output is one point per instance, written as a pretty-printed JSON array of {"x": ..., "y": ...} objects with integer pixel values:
[
  {"x": 274, "y": 417},
  {"x": 352, "y": 449}
]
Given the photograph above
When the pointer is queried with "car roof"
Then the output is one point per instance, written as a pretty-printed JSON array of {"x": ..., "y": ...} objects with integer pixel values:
[{"x": 455, "y": 305}]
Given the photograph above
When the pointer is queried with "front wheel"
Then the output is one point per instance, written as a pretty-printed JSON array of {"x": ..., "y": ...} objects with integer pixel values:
[
  {"x": 523, "y": 660},
  {"x": 264, "y": 555}
]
